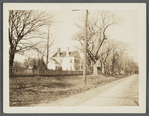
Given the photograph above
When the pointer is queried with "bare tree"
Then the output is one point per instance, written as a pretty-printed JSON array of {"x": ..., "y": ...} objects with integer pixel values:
[
  {"x": 43, "y": 49},
  {"x": 18, "y": 64},
  {"x": 105, "y": 52},
  {"x": 117, "y": 55},
  {"x": 96, "y": 35},
  {"x": 26, "y": 62},
  {"x": 25, "y": 25},
  {"x": 131, "y": 67}
]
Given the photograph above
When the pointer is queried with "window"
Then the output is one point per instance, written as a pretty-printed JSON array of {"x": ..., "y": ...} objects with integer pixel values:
[
  {"x": 70, "y": 60},
  {"x": 76, "y": 61}
]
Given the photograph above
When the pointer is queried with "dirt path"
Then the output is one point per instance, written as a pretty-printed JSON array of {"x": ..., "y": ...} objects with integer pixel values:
[
  {"x": 83, "y": 97},
  {"x": 126, "y": 93}
]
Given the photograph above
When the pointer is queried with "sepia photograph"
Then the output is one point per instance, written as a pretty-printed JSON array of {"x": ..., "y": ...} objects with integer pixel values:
[{"x": 74, "y": 58}]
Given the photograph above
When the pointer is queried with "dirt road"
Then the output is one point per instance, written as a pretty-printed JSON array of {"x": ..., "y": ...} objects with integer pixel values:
[{"x": 123, "y": 92}]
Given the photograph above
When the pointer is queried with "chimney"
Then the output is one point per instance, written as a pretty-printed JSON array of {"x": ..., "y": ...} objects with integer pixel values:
[
  {"x": 67, "y": 52},
  {"x": 58, "y": 51}
]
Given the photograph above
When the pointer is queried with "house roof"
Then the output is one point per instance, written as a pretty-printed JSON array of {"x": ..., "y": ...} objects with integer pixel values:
[
  {"x": 55, "y": 61},
  {"x": 63, "y": 54}
]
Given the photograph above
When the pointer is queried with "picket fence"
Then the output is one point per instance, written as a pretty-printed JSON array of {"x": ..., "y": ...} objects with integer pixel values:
[{"x": 13, "y": 72}]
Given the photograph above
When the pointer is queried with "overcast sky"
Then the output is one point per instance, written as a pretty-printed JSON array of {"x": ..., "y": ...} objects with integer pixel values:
[{"x": 65, "y": 29}]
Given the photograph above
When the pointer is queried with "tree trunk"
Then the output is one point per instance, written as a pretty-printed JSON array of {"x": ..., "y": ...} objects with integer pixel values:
[
  {"x": 95, "y": 69},
  {"x": 12, "y": 50},
  {"x": 113, "y": 67},
  {"x": 103, "y": 68},
  {"x": 11, "y": 59},
  {"x": 106, "y": 69}
]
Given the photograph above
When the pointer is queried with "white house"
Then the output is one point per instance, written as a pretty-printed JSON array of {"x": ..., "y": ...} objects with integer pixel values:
[
  {"x": 67, "y": 60},
  {"x": 54, "y": 64}
]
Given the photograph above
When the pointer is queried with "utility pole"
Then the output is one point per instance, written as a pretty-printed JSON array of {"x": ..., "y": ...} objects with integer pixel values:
[{"x": 85, "y": 47}]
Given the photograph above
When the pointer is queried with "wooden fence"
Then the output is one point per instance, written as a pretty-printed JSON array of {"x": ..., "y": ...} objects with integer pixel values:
[{"x": 15, "y": 72}]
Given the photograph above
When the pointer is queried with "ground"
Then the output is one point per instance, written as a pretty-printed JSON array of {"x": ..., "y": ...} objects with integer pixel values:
[{"x": 27, "y": 91}]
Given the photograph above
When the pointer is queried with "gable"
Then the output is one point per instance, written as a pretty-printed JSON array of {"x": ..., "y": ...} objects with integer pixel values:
[{"x": 53, "y": 61}]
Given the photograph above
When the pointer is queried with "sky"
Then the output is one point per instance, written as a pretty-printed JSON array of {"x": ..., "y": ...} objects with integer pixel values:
[{"x": 64, "y": 30}]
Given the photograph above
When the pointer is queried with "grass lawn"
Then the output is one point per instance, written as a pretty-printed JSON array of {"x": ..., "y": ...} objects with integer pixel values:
[{"x": 25, "y": 91}]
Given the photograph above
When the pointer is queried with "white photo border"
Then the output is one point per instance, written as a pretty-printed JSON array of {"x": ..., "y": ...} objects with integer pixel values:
[{"x": 141, "y": 7}]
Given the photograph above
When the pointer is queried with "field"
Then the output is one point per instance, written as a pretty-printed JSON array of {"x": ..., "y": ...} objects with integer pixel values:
[{"x": 25, "y": 91}]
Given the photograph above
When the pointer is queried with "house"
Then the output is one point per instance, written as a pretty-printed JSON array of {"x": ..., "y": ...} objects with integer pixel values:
[
  {"x": 54, "y": 65},
  {"x": 67, "y": 60}
]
